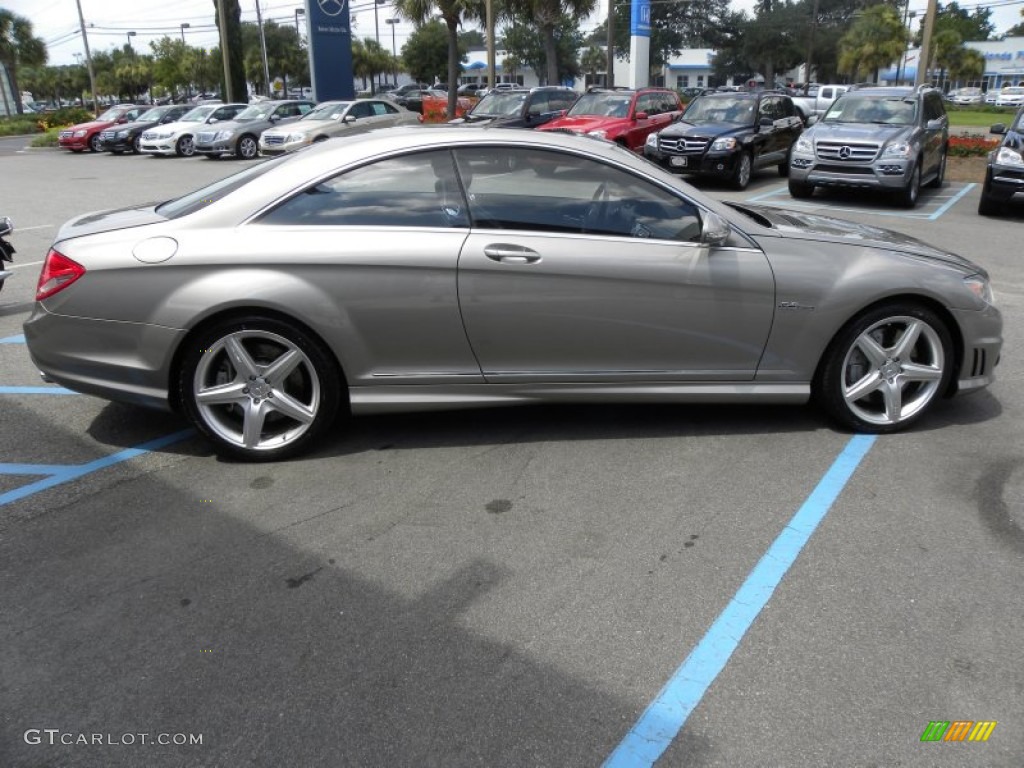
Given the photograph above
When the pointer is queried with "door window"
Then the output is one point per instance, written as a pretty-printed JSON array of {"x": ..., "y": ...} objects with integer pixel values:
[{"x": 537, "y": 190}]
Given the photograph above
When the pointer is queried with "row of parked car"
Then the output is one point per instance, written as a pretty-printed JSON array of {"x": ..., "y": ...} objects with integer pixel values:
[{"x": 887, "y": 139}]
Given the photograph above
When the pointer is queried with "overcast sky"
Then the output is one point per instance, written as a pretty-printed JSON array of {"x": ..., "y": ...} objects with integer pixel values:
[{"x": 109, "y": 21}]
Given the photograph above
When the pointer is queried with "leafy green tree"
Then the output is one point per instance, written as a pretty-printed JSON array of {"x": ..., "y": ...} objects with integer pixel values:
[
  {"x": 236, "y": 50},
  {"x": 369, "y": 59},
  {"x": 453, "y": 12},
  {"x": 972, "y": 27},
  {"x": 549, "y": 17},
  {"x": 171, "y": 62},
  {"x": 966, "y": 65},
  {"x": 472, "y": 39},
  {"x": 425, "y": 54},
  {"x": 593, "y": 61},
  {"x": 525, "y": 41},
  {"x": 18, "y": 47},
  {"x": 876, "y": 39},
  {"x": 56, "y": 84}
]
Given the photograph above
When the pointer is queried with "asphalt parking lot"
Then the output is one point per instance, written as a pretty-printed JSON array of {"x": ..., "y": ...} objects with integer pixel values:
[{"x": 556, "y": 586}]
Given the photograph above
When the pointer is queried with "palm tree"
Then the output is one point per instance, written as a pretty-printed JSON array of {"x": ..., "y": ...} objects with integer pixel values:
[
  {"x": 875, "y": 40},
  {"x": 452, "y": 13},
  {"x": 547, "y": 15},
  {"x": 594, "y": 61},
  {"x": 18, "y": 46}
]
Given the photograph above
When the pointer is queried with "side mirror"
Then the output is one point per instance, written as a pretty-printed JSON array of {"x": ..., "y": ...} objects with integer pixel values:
[
  {"x": 766, "y": 122},
  {"x": 272, "y": 118},
  {"x": 812, "y": 120},
  {"x": 934, "y": 125},
  {"x": 997, "y": 128},
  {"x": 716, "y": 230},
  {"x": 349, "y": 119},
  {"x": 641, "y": 116}
]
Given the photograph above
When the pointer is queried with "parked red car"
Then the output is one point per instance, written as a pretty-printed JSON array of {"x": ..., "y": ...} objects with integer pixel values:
[
  {"x": 621, "y": 115},
  {"x": 87, "y": 135}
]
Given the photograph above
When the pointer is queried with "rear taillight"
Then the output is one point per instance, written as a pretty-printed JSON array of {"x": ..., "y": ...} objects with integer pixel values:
[{"x": 58, "y": 273}]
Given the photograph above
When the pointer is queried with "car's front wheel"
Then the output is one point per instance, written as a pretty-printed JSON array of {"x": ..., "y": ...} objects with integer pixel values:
[
  {"x": 886, "y": 368},
  {"x": 987, "y": 205},
  {"x": 907, "y": 197},
  {"x": 741, "y": 173},
  {"x": 799, "y": 190},
  {"x": 185, "y": 147},
  {"x": 94, "y": 143},
  {"x": 247, "y": 148},
  {"x": 260, "y": 389}
]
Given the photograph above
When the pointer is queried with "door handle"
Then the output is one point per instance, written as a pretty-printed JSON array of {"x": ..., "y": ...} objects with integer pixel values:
[{"x": 511, "y": 254}]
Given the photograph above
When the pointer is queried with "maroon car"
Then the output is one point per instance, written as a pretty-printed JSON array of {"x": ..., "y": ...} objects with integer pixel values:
[{"x": 87, "y": 135}]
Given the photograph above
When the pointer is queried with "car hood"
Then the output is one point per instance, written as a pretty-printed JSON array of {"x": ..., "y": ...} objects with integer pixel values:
[
  {"x": 143, "y": 125},
  {"x": 178, "y": 126},
  {"x": 871, "y": 132},
  {"x": 684, "y": 128},
  {"x": 91, "y": 125},
  {"x": 303, "y": 126},
  {"x": 809, "y": 226},
  {"x": 106, "y": 221},
  {"x": 236, "y": 125},
  {"x": 583, "y": 123}
]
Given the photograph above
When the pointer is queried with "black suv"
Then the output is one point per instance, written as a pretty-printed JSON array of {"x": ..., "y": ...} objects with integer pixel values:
[
  {"x": 520, "y": 108},
  {"x": 729, "y": 135},
  {"x": 1004, "y": 174}
]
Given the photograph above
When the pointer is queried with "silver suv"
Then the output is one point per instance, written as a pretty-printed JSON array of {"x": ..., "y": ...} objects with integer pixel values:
[{"x": 874, "y": 138}]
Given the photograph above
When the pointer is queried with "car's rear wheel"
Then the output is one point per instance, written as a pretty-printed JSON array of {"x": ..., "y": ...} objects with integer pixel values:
[
  {"x": 260, "y": 389},
  {"x": 185, "y": 147},
  {"x": 94, "y": 143},
  {"x": 247, "y": 147},
  {"x": 886, "y": 368},
  {"x": 907, "y": 197},
  {"x": 741, "y": 173},
  {"x": 799, "y": 190}
]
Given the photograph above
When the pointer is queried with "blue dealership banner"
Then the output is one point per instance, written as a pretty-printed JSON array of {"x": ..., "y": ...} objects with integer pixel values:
[
  {"x": 640, "y": 18},
  {"x": 330, "y": 49}
]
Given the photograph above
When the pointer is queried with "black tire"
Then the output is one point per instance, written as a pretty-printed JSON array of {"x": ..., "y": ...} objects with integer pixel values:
[
  {"x": 246, "y": 413},
  {"x": 137, "y": 145},
  {"x": 940, "y": 178},
  {"x": 784, "y": 165},
  {"x": 865, "y": 382},
  {"x": 743, "y": 171},
  {"x": 799, "y": 190},
  {"x": 247, "y": 147},
  {"x": 987, "y": 205},
  {"x": 907, "y": 197},
  {"x": 94, "y": 143},
  {"x": 318, "y": 139},
  {"x": 185, "y": 146}
]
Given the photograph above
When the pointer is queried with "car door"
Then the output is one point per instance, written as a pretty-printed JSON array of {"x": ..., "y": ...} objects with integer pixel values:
[
  {"x": 935, "y": 129},
  {"x": 378, "y": 247},
  {"x": 576, "y": 270}
]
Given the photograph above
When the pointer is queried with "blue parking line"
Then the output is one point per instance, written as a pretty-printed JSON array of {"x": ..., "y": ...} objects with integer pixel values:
[
  {"x": 13, "y": 340},
  {"x": 952, "y": 201},
  {"x": 36, "y": 391},
  {"x": 664, "y": 718},
  {"x": 58, "y": 474}
]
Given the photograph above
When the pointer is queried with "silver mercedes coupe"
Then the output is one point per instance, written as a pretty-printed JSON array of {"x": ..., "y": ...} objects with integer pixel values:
[{"x": 430, "y": 268}]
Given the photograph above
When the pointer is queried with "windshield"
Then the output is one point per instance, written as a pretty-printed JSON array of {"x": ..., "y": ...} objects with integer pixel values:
[
  {"x": 196, "y": 115},
  {"x": 500, "y": 104},
  {"x": 153, "y": 115},
  {"x": 256, "y": 112},
  {"x": 884, "y": 110},
  {"x": 610, "y": 103},
  {"x": 110, "y": 115},
  {"x": 329, "y": 110},
  {"x": 720, "y": 109},
  {"x": 211, "y": 193}
]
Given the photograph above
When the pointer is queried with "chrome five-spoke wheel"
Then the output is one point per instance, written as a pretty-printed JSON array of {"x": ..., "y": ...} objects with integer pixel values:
[
  {"x": 887, "y": 368},
  {"x": 259, "y": 389}
]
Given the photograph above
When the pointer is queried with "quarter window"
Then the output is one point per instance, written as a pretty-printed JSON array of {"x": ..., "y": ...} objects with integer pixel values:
[{"x": 415, "y": 190}]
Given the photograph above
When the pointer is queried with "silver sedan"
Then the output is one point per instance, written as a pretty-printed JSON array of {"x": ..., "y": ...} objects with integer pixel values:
[
  {"x": 335, "y": 118},
  {"x": 428, "y": 268}
]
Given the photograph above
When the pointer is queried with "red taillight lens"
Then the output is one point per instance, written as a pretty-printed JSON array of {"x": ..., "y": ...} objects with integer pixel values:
[{"x": 58, "y": 273}]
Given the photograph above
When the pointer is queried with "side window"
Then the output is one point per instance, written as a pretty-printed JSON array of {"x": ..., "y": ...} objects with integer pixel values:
[
  {"x": 361, "y": 109},
  {"x": 414, "y": 190},
  {"x": 387, "y": 109},
  {"x": 287, "y": 110},
  {"x": 583, "y": 197},
  {"x": 826, "y": 93},
  {"x": 538, "y": 104},
  {"x": 225, "y": 113},
  {"x": 562, "y": 101},
  {"x": 305, "y": 108},
  {"x": 766, "y": 109},
  {"x": 933, "y": 108}
]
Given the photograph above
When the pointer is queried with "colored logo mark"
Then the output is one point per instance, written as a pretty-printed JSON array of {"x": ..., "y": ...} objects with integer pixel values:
[{"x": 958, "y": 730}]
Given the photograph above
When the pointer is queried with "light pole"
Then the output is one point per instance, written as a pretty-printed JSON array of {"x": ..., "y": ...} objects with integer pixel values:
[
  {"x": 263, "y": 49},
  {"x": 394, "y": 53},
  {"x": 130, "y": 36},
  {"x": 88, "y": 57},
  {"x": 188, "y": 88},
  {"x": 376, "y": 34},
  {"x": 299, "y": 12}
]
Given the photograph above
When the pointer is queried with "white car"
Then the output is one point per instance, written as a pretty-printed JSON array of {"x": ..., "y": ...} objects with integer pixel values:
[
  {"x": 179, "y": 138},
  {"x": 1010, "y": 97},
  {"x": 334, "y": 118},
  {"x": 965, "y": 96}
]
